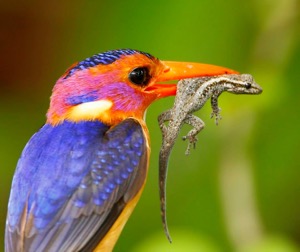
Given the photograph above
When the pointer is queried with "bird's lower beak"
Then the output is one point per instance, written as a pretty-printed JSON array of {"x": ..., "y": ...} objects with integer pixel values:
[{"x": 183, "y": 70}]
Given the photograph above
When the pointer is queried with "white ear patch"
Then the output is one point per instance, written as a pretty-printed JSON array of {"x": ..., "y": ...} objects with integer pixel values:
[{"x": 89, "y": 110}]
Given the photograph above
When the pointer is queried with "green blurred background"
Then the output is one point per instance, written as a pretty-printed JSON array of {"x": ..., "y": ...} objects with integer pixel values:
[{"x": 240, "y": 189}]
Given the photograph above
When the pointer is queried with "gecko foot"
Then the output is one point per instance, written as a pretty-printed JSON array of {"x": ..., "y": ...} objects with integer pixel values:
[
  {"x": 192, "y": 143},
  {"x": 217, "y": 115},
  {"x": 164, "y": 129}
]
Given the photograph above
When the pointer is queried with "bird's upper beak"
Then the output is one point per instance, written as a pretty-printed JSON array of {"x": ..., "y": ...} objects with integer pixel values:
[{"x": 183, "y": 70}]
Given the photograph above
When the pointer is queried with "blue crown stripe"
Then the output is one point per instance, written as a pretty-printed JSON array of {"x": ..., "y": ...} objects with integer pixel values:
[{"x": 104, "y": 58}]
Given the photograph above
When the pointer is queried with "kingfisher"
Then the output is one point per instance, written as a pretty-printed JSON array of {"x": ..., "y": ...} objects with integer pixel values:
[{"x": 81, "y": 175}]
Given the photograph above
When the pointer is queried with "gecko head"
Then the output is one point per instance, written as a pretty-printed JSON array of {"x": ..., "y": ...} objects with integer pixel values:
[{"x": 243, "y": 84}]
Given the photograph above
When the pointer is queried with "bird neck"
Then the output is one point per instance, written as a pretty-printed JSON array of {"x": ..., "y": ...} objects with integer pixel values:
[{"x": 102, "y": 111}]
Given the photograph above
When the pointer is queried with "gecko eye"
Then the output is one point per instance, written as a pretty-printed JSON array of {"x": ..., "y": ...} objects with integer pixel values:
[
  {"x": 139, "y": 76},
  {"x": 248, "y": 85}
]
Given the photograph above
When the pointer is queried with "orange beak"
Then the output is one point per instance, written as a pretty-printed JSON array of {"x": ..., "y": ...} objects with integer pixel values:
[{"x": 183, "y": 70}]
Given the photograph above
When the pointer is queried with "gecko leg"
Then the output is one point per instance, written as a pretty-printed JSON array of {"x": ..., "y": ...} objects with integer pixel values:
[
  {"x": 215, "y": 108},
  {"x": 197, "y": 125}
]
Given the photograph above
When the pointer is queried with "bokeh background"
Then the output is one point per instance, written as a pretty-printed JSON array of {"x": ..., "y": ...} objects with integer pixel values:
[{"x": 240, "y": 189}]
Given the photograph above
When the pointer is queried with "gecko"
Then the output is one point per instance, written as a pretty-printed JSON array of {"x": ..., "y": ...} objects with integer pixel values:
[{"x": 191, "y": 96}]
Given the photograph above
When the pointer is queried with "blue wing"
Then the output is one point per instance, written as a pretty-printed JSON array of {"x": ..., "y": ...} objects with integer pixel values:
[{"x": 71, "y": 182}]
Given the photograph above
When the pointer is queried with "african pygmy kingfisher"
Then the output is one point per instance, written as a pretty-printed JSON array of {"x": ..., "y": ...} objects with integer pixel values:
[{"x": 81, "y": 175}]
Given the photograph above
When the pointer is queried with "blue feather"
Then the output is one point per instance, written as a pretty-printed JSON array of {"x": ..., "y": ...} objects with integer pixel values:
[{"x": 83, "y": 160}]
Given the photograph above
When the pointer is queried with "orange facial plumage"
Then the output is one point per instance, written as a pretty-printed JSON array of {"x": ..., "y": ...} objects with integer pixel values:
[{"x": 110, "y": 83}]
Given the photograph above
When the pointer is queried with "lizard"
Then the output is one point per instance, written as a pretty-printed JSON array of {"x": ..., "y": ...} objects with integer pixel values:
[{"x": 191, "y": 96}]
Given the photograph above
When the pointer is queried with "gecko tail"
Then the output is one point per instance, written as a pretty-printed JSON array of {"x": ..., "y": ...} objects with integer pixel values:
[{"x": 163, "y": 169}]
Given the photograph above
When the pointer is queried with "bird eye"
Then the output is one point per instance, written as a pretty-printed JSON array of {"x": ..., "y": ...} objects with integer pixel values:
[
  {"x": 139, "y": 76},
  {"x": 248, "y": 85}
]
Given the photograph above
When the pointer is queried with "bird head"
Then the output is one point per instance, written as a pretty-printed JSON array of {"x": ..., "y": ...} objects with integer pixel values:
[{"x": 115, "y": 85}]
